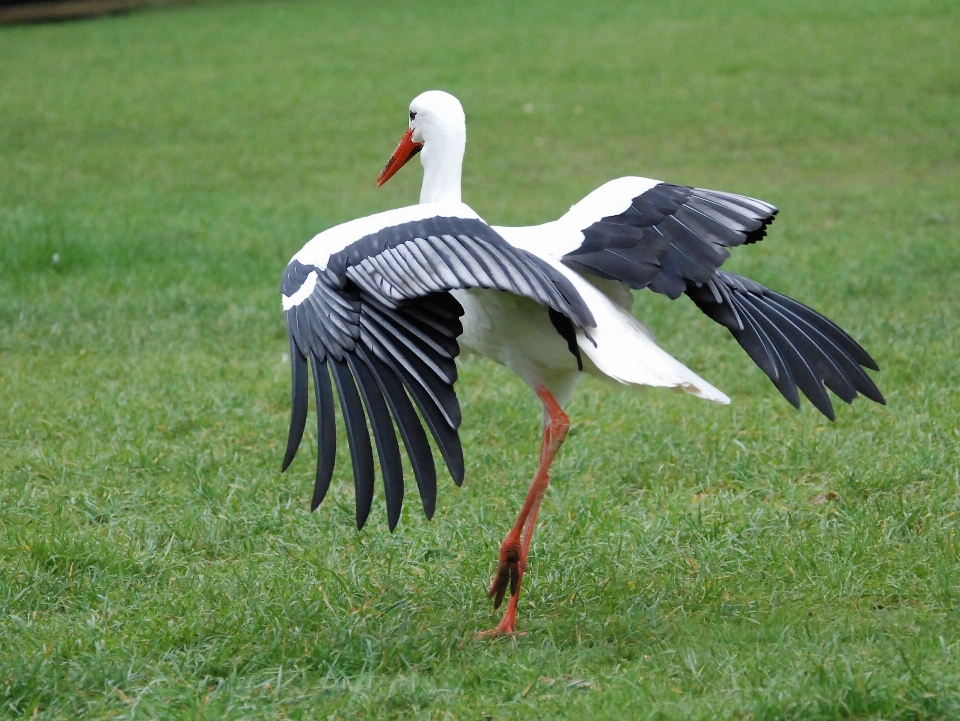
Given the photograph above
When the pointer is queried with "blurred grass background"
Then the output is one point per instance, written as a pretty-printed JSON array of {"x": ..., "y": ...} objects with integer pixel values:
[{"x": 692, "y": 561}]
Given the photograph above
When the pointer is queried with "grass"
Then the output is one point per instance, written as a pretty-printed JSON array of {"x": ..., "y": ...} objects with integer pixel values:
[{"x": 692, "y": 561}]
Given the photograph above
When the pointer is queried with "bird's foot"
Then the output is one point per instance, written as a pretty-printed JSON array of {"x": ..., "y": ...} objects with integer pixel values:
[
  {"x": 509, "y": 571},
  {"x": 507, "y": 625}
]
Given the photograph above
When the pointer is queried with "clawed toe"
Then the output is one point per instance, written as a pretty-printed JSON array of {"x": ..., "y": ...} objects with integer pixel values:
[{"x": 497, "y": 632}]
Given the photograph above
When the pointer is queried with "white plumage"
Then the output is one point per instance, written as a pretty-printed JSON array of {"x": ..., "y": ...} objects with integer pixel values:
[{"x": 384, "y": 304}]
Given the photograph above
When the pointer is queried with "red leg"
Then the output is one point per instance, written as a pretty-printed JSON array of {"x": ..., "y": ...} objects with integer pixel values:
[{"x": 516, "y": 546}]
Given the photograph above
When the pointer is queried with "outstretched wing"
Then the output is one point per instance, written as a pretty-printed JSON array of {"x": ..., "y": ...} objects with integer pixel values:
[
  {"x": 673, "y": 239},
  {"x": 661, "y": 236},
  {"x": 377, "y": 317},
  {"x": 793, "y": 344}
]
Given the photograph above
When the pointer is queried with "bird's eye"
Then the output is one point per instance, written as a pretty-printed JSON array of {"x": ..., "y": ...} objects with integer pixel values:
[{"x": 412, "y": 115}]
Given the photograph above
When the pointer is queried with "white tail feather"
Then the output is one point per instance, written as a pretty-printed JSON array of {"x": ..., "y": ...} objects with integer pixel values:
[
  {"x": 625, "y": 349},
  {"x": 625, "y": 352}
]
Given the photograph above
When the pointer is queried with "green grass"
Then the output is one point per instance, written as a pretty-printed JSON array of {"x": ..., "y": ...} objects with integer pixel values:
[{"x": 692, "y": 561}]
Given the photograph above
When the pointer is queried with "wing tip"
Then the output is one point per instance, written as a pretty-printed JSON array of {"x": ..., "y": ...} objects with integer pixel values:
[{"x": 298, "y": 403}]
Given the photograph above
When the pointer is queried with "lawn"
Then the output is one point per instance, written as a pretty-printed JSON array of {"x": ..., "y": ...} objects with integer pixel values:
[{"x": 692, "y": 561}]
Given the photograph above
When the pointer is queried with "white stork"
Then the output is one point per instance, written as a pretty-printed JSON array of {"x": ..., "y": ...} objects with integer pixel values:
[{"x": 385, "y": 304}]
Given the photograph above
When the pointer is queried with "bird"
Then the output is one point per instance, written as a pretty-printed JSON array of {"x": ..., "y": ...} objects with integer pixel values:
[{"x": 384, "y": 304}]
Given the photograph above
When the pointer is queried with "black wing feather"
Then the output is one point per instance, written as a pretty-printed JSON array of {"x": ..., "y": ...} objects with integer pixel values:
[
  {"x": 298, "y": 403},
  {"x": 850, "y": 363},
  {"x": 793, "y": 344},
  {"x": 673, "y": 240},
  {"x": 360, "y": 451},
  {"x": 831, "y": 329},
  {"x": 381, "y": 318},
  {"x": 442, "y": 396},
  {"x": 674, "y": 233},
  {"x": 414, "y": 438},
  {"x": 391, "y": 467},
  {"x": 444, "y": 434},
  {"x": 326, "y": 431},
  {"x": 821, "y": 359},
  {"x": 782, "y": 377},
  {"x": 803, "y": 374}
]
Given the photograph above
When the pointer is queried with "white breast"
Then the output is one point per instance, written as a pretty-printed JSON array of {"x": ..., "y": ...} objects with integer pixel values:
[{"x": 517, "y": 333}]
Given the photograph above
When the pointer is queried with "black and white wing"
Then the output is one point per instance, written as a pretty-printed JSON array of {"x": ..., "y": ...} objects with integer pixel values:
[
  {"x": 673, "y": 239},
  {"x": 367, "y": 303},
  {"x": 649, "y": 234}
]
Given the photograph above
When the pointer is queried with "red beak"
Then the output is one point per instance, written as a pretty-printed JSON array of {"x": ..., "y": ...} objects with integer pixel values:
[{"x": 405, "y": 150}]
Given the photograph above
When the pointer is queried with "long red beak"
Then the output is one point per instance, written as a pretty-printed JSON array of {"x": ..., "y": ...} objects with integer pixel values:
[{"x": 405, "y": 150}]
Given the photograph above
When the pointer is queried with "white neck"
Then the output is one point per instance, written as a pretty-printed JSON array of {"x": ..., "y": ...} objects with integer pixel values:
[{"x": 442, "y": 159}]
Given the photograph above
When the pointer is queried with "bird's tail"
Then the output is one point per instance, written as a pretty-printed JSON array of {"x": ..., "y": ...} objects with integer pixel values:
[{"x": 620, "y": 347}]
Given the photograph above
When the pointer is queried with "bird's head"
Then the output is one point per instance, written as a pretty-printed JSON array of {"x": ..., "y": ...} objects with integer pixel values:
[{"x": 437, "y": 123}]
